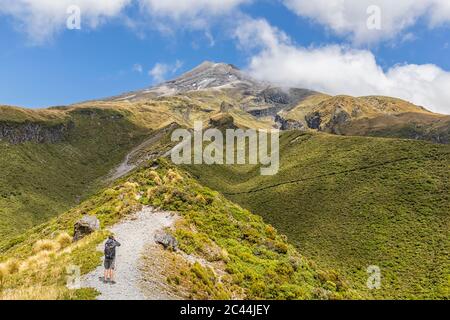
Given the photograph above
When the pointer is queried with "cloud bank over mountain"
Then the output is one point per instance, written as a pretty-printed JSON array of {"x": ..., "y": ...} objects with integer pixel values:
[
  {"x": 337, "y": 69},
  {"x": 342, "y": 68}
]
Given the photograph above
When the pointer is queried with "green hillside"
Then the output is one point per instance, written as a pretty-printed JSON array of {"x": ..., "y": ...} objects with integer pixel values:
[
  {"x": 47, "y": 170},
  {"x": 41, "y": 180},
  {"x": 348, "y": 203},
  {"x": 257, "y": 261}
]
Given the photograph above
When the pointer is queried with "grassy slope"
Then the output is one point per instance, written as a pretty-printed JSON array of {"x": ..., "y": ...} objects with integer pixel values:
[
  {"x": 258, "y": 261},
  {"x": 350, "y": 202},
  {"x": 42, "y": 180},
  {"x": 375, "y": 116},
  {"x": 39, "y": 181}
]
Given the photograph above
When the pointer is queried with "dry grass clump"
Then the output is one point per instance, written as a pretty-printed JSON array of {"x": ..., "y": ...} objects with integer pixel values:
[
  {"x": 172, "y": 177},
  {"x": 3, "y": 272},
  {"x": 38, "y": 260},
  {"x": 64, "y": 240},
  {"x": 151, "y": 192},
  {"x": 34, "y": 293},
  {"x": 8, "y": 268},
  {"x": 130, "y": 185},
  {"x": 200, "y": 199},
  {"x": 153, "y": 175},
  {"x": 46, "y": 245},
  {"x": 12, "y": 266}
]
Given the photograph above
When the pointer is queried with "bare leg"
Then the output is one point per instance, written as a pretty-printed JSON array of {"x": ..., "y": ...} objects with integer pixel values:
[{"x": 105, "y": 275}]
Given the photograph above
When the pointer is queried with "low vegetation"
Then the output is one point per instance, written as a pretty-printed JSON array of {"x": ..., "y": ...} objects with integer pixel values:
[
  {"x": 41, "y": 180},
  {"x": 348, "y": 203},
  {"x": 257, "y": 261}
]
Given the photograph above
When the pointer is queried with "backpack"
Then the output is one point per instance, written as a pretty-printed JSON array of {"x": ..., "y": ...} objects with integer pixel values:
[{"x": 110, "y": 251}]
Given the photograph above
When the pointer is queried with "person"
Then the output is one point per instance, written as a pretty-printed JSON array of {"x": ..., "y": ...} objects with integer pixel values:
[{"x": 110, "y": 259}]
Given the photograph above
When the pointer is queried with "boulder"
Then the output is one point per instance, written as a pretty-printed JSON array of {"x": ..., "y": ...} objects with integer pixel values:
[
  {"x": 166, "y": 240},
  {"x": 225, "y": 107},
  {"x": 85, "y": 226},
  {"x": 288, "y": 124}
]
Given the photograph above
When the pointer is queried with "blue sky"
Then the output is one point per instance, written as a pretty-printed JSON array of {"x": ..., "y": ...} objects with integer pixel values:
[{"x": 269, "y": 38}]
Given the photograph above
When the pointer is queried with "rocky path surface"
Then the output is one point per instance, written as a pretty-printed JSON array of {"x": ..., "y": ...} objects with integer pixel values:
[{"x": 134, "y": 234}]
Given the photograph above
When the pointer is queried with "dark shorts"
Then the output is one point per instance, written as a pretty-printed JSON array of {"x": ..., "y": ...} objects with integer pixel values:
[{"x": 110, "y": 264}]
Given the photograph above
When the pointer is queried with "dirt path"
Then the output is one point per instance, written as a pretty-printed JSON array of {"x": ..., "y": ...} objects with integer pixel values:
[
  {"x": 133, "y": 234},
  {"x": 128, "y": 165}
]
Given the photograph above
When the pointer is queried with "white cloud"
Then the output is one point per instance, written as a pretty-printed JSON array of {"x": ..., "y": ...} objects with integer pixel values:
[
  {"x": 182, "y": 9},
  {"x": 349, "y": 17},
  {"x": 41, "y": 19},
  {"x": 170, "y": 15},
  {"x": 339, "y": 70},
  {"x": 161, "y": 70}
]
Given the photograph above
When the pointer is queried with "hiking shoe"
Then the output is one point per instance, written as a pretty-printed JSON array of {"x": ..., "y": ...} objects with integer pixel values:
[
  {"x": 112, "y": 282},
  {"x": 102, "y": 279}
]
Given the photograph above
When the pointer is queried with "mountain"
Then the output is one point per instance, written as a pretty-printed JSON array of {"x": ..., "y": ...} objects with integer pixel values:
[
  {"x": 81, "y": 144},
  {"x": 300, "y": 109},
  {"x": 345, "y": 202},
  {"x": 208, "y": 75},
  {"x": 368, "y": 116}
]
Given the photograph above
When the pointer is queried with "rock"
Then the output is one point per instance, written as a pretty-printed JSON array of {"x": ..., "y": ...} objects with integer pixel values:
[
  {"x": 222, "y": 121},
  {"x": 288, "y": 124},
  {"x": 314, "y": 120},
  {"x": 166, "y": 240},
  {"x": 274, "y": 95},
  {"x": 225, "y": 107},
  {"x": 86, "y": 226},
  {"x": 17, "y": 133}
]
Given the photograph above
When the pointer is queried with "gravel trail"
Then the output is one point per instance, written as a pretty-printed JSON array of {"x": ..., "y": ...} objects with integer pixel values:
[{"x": 134, "y": 234}]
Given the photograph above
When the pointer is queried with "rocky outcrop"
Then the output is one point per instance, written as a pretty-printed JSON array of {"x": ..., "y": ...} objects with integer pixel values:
[
  {"x": 314, "y": 120},
  {"x": 86, "y": 226},
  {"x": 274, "y": 96},
  {"x": 166, "y": 240},
  {"x": 339, "y": 118},
  {"x": 16, "y": 133},
  {"x": 222, "y": 121},
  {"x": 318, "y": 121},
  {"x": 289, "y": 124},
  {"x": 225, "y": 107}
]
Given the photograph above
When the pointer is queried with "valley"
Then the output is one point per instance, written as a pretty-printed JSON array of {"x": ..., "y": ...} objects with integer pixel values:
[{"x": 363, "y": 181}]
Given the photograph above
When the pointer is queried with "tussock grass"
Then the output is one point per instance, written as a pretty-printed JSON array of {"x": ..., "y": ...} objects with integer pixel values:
[
  {"x": 3, "y": 273},
  {"x": 64, "y": 240},
  {"x": 154, "y": 176},
  {"x": 12, "y": 266},
  {"x": 34, "y": 293},
  {"x": 46, "y": 245},
  {"x": 172, "y": 177}
]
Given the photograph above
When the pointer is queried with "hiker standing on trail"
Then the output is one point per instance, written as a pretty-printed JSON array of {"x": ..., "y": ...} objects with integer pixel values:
[{"x": 110, "y": 259}]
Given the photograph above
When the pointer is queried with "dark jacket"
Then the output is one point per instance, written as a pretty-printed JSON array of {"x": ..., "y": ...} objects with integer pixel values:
[{"x": 110, "y": 248}]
